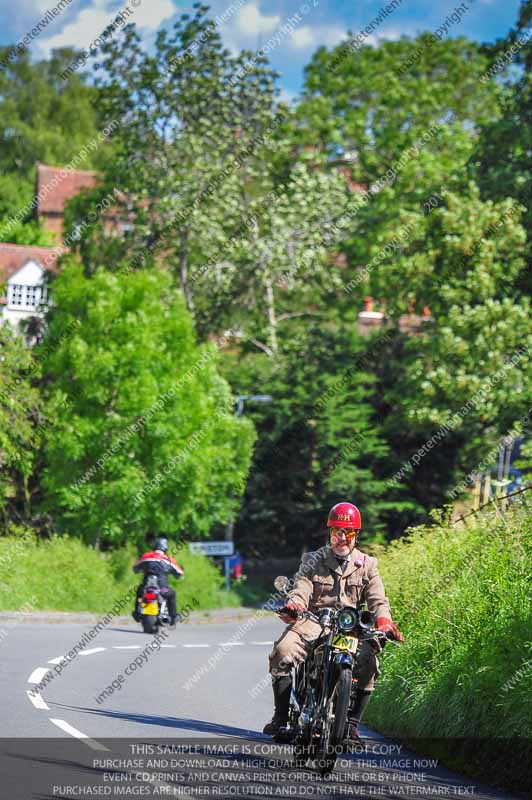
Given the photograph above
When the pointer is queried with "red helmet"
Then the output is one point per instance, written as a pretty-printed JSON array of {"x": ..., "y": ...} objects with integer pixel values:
[{"x": 344, "y": 515}]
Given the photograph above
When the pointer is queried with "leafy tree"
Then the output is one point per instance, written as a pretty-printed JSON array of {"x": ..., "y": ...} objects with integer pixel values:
[
  {"x": 318, "y": 440},
  {"x": 502, "y": 161},
  {"x": 451, "y": 381},
  {"x": 146, "y": 439},
  {"x": 30, "y": 233},
  {"x": 465, "y": 252},
  {"x": 281, "y": 264},
  {"x": 20, "y": 416},
  {"x": 191, "y": 115},
  {"x": 44, "y": 119},
  {"x": 459, "y": 256},
  {"x": 375, "y": 102},
  {"x": 400, "y": 119}
]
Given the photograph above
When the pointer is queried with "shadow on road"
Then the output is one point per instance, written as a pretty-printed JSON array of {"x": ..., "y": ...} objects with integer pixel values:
[
  {"x": 179, "y": 723},
  {"x": 127, "y": 630}
]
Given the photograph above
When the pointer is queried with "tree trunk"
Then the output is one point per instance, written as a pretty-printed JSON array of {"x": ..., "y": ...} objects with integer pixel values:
[
  {"x": 27, "y": 497},
  {"x": 272, "y": 319},
  {"x": 183, "y": 271}
]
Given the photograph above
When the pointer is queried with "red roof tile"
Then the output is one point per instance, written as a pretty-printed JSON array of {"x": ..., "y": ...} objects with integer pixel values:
[
  {"x": 14, "y": 256},
  {"x": 56, "y": 185}
]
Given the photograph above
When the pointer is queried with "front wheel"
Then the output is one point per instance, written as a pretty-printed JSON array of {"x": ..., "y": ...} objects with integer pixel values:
[
  {"x": 149, "y": 623},
  {"x": 343, "y": 697},
  {"x": 334, "y": 723}
]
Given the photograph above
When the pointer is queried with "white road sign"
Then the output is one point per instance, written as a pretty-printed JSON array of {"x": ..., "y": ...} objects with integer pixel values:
[{"x": 212, "y": 548}]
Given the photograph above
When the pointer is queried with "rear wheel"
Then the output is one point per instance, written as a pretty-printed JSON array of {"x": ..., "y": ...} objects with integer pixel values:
[{"x": 149, "y": 623}]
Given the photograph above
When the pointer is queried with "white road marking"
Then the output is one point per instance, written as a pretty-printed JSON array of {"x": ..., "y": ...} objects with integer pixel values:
[
  {"x": 171, "y": 645},
  {"x": 127, "y": 647},
  {"x": 78, "y": 734},
  {"x": 194, "y": 645},
  {"x": 231, "y": 644},
  {"x": 261, "y": 642},
  {"x": 94, "y": 650},
  {"x": 37, "y": 701},
  {"x": 57, "y": 660},
  {"x": 38, "y": 674}
]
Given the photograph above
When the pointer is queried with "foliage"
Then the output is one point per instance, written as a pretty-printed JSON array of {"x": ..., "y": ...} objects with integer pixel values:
[
  {"x": 464, "y": 265},
  {"x": 144, "y": 437},
  {"x": 30, "y": 233},
  {"x": 319, "y": 439},
  {"x": 370, "y": 104},
  {"x": 20, "y": 415},
  {"x": 502, "y": 160},
  {"x": 462, "y": 599},
  {"x": 280, "y": 262},
  {"x": 194, "y": 114},
  {"x": 83, "y": 579},
  {"x": 44, "y": 120},
  {"x": 246, "y": 205}
]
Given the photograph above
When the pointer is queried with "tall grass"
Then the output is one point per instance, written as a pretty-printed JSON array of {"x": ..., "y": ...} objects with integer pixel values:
[
  {"x": 63, "y": 574},
  {"x": 462, "y": 682}
]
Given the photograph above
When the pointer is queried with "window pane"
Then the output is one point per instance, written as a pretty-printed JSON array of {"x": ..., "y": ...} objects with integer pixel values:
[{"x": 17, "y": 294}]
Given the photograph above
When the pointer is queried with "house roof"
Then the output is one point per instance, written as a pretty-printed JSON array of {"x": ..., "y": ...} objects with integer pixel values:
[
  {"x": 14, "y": 256},
  {"x": 62, "y": 185}
]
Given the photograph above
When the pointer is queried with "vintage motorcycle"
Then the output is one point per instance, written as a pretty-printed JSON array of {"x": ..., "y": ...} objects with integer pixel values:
[
  {"x": 152, "y": 608},
  {"x": 323, "y": 683}
]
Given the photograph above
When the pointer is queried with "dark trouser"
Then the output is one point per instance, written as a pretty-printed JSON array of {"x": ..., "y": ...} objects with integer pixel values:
[{"x": 167, "y": 593}]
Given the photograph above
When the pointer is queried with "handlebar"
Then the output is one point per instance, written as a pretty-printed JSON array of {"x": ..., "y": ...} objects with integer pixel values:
[{"x": 371, "y": 633}]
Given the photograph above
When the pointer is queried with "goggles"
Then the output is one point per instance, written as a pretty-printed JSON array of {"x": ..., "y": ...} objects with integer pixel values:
[{"x": 346, "y": 533}]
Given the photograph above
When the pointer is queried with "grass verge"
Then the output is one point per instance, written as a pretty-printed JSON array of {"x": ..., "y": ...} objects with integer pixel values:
[{"x": 461, "y": 686}]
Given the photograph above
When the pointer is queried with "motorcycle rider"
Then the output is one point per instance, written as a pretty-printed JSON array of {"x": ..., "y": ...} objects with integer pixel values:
[
  {"x": 159, "y": 563},
  {"x": 336, "y": 575}
]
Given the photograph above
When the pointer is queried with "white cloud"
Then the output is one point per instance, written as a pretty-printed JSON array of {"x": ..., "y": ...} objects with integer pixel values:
[
  {"x": 92, "y": 21},
  {"x": 252, "y": 22},
  {"x": 150, "y": 13},
  {"x": 288, "y": 96},
  {"x": 393, "y": 32},
  {"x": 309, "y": 37},
  {"x": 248, "y": 28}
]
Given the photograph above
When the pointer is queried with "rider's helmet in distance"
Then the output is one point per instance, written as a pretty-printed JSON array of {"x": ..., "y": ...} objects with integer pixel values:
[
  {"x": 161, "y": 543},
  {"x": 344, "y": 515}
]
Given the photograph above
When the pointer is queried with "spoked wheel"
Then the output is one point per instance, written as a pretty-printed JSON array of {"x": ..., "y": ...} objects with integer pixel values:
[
  {"x": 334, "y": 723},
  {"x": 343, "y": 697}
]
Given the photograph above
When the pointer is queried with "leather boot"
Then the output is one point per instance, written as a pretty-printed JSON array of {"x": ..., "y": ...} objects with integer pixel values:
[
  {"x": 282, "y": 687},
  {"x": 356, "y": 711}
]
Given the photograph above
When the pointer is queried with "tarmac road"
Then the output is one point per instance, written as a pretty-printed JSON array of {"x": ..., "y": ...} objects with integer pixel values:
[{"x": 100, "y": 724}]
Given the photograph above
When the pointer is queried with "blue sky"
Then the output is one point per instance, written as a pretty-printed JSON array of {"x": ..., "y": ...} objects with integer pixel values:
[{"x": 252, "y": 23}]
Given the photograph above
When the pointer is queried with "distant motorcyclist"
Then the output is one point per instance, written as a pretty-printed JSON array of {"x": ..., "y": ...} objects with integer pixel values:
[
  {"x": 337, "y": 575},
  {"x": 159, "y": 563}
]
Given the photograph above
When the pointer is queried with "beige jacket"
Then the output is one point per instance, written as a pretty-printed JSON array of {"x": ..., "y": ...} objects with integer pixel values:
[{"x": 320, "y": 582}]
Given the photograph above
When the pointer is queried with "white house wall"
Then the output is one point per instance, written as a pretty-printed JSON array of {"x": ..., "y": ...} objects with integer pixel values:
[{"x": 30, "y": 276}]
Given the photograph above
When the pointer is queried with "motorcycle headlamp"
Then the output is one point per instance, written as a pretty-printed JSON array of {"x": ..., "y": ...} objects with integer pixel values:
[
  {"x": 347, "y": 619},
  {"x": 367, "y": 620}
]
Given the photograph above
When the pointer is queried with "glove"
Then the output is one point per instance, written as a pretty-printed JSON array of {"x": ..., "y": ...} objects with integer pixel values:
[
  {"x": 387, "y": 626},
  {"x": 295, "y": 609}
]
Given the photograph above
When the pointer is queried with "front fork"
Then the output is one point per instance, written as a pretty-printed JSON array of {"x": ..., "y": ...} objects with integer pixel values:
[{"x": 338, "y": 662}]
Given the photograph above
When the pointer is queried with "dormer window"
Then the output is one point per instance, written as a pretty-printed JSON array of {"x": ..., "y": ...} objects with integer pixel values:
[
  {"x": 17, "y": 295},
  {"x": 26, "y": 297}
]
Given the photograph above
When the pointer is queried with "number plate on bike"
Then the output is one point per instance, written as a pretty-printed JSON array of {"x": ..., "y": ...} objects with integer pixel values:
[
  {"x": 349, "y": 643},
  {"x": 150, "y": 608}
]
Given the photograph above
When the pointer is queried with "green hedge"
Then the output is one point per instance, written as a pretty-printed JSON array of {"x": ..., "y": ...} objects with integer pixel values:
[
  {"x": 463, "y": 598},
  {"x": 63, "y": 574}
]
